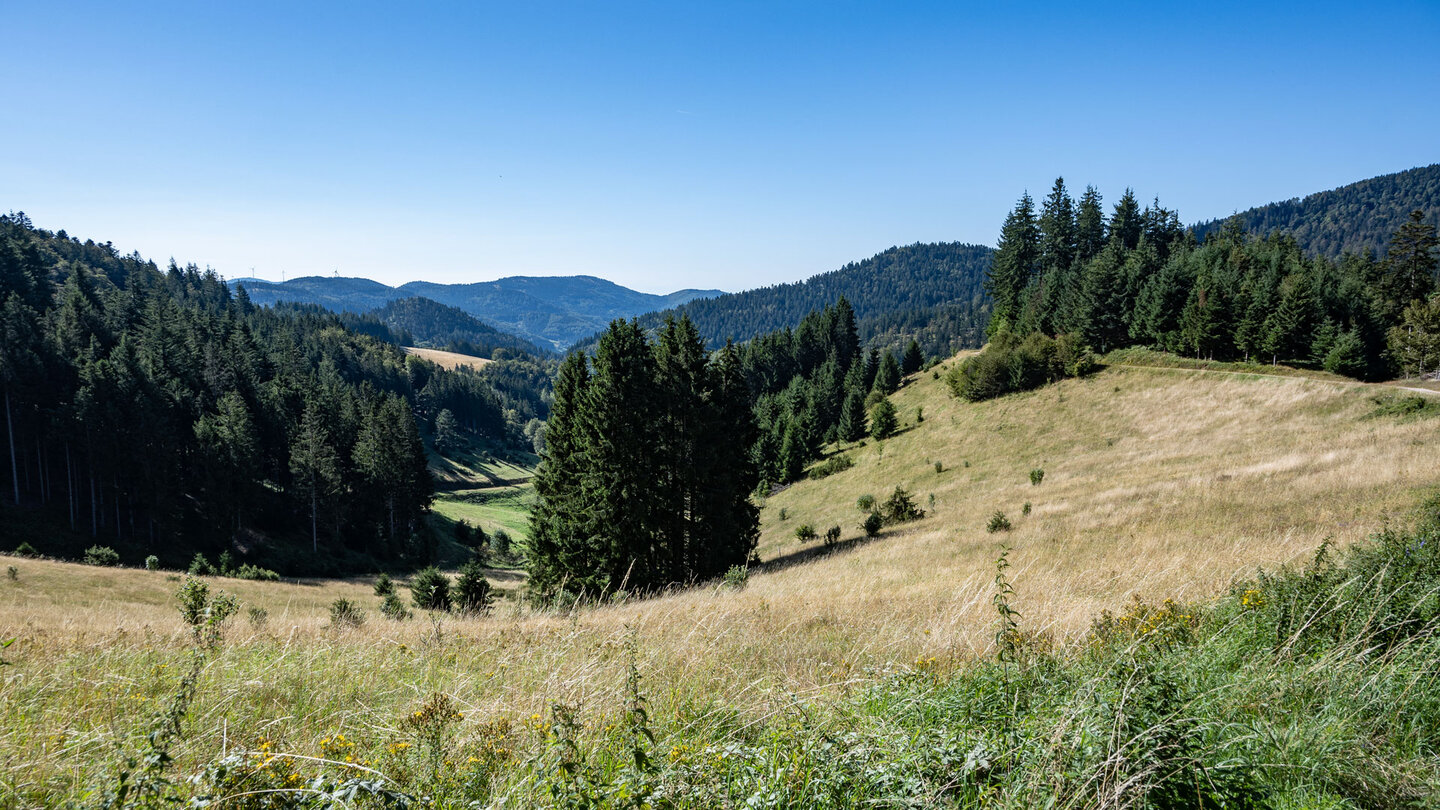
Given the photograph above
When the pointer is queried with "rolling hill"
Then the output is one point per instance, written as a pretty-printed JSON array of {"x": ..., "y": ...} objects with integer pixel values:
[
  {"x": 552, "y": 311},
  {"x": 1355, "y": 218}
]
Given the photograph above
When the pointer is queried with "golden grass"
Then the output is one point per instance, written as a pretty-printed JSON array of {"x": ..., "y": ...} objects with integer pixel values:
[
  {"x": 1163, "y": 483},
  {"x": 448, "y": 360}
]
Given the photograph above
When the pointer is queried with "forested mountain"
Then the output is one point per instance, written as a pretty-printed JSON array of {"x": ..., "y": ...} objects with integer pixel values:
[
  {"x": 933, "y": 291},
  {"x": 1358, "y": 218},
  {"x": 552, "y": 311},
  {"x": 437, "y": 326},
  {"x": 158, "y": 413}
]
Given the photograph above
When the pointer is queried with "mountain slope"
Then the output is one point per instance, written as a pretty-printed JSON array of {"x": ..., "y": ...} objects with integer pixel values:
[
  {"x": 938, "y": 280},
  {"x": 438, "y": 326},
  {"x": 553, "y": 311},
  {"x": 1358, "y": 217}
]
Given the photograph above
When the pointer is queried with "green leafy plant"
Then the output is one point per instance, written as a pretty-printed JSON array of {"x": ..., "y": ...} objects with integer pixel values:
[
  {"x": 831, "y": 466},
  {"x": 12, "y": 573},
  {"x": 472, "y": 590},
  {"x": 206, "y": 614},
  {"x": 805, "y": 533},
  {"x": 865, "y": 503},
  {"x": 1036, "y": 476},
  {"x": 872, "y": 524},
  {"x": 152, "y": 563},
  {"x": 384, "y": 586},
  {"x": 737, "y": 577},
  {"x": 259, "y": 616},
  {"x": 201, "y": 567},
  {"x": 1025, "y": 510},
  {"x": 101, "y": 555},
  {"x": 939, "y": 467},
  {"x": 26, "y": 550},
  {"x": 255, "y": 572},
  {"x": 393, "y": 609},
  {"x": 832, "y": 535},
  {"x": 900, "y": 507}
]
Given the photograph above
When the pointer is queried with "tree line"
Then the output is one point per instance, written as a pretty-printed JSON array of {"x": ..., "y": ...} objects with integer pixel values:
[
  {"x": 165, "y": 414},
  {"x": 1137, "y": 277}
]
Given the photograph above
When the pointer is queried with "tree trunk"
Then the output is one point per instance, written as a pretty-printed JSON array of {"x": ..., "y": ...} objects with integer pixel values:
[{"x": 10, "y": 432}]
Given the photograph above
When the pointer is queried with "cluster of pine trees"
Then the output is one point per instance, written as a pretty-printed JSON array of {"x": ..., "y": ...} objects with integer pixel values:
[
  {"x": 1139, "y": 278},
  {"x": 646, "y": 475},
  {"x": 159, "y": 412},
  {"x": 813, "y": 386}
]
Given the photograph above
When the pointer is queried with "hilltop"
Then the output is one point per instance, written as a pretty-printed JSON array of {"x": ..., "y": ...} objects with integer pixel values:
[{"x": 1355, "y": 218}]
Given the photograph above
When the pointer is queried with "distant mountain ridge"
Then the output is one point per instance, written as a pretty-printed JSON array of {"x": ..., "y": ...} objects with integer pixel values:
[
  {"x": 1354, "y": 218},
  {"x": 554, "y": 311}
]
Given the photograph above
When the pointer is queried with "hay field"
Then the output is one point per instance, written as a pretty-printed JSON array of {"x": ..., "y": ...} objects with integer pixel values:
[
  {"x": 448, "y": 360},
  {"x": 1162, "y": 483}
]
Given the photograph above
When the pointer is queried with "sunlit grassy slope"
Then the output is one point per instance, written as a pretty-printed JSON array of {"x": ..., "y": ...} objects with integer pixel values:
[{"x": 1158, "y": 482}]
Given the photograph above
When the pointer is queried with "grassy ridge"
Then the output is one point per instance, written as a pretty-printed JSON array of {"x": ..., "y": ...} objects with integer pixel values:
[{"x": 829, "y": 679}]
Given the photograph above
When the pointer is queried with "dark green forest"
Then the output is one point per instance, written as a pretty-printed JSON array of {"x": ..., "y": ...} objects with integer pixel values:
[
  {"x": 1136, "y": 278},
  {"x": 156, "y": 412},
  {"x": 437, "y": 326},
  {"x": 646, "y": 477},
  {"x": 931, "y": 292},
  {"x": 1356, "y": 218}
]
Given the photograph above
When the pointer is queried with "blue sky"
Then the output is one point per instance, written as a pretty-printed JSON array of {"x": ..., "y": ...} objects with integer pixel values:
[{"x": 672, "y": 145}]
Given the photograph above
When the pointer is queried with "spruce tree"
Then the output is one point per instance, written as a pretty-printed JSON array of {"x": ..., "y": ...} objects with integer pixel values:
[
  {"x": 887, "y": 379},
  {"x": 314, "y": 465},
  {"x": 1015, "y": 260},
  {"x": 559, "y": 526},
  {"x": 914, "y": 359},
  {"x": 1411, "y": 261},
  {"x": 882, "y": 420},
  {"x": 1089, "y": 226}
]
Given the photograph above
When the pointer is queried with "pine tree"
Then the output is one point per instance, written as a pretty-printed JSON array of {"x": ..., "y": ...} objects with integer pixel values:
[
  {"x": 1126, "y": 223},
  {"x": 1011, "y": 266},
  {"x": 887, "y": 379},
  {"x": 447, "y": 432},
  {"x": 883, "y": 421},
  {"x": 560, "y": 529},
  {"x": 315, "y": 466},
  {"x": 1089, "y": 226},
  {"x": 1411, "y": 261},
  {"x": 1103, "y": 295},
  {"x": 914, "y": 359}
]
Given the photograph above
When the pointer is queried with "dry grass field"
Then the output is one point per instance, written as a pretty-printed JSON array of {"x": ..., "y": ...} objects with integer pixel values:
[
  {"x": 1157, "y": 482},
  {"x": 449, "y": 360}
]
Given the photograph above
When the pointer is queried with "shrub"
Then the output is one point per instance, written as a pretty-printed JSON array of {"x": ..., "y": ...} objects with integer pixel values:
[
  {"x": 882, "y": 420},
  {"x": 1012, "y": 363},
  {"x": 805, "y": 533},
  {"x": 258, "y": 616},
  {"x": 1025, "y": 510},
  {"x": 472, "y": 590},
  {"x": 865, "y": 503},
  {"x": 872, "y": 523},
  {"x": 201, "y": 567},
  {"x": 900, "y": 507},
  {"x": 26, "y": 550},
  {"x": 344, "y": 613},
  {"x": 384, "y": 586},
  {"x": 737, "y": 577},
  {"x": 226, "y": 564},
  {"x": 393, "y": 609},
  {"x": 919, "y": 415},
  {"x": 784, "y": 514},
  {"x": 939, "y": 467},
  {"x": 832, "y": 535},
  {"x": 1036, "y": 476},
  {"x": 152, "y": 563},
  {"x": 831, "y": 466},
  {"x": 255, "y": 572},
  {"x": 463, "y": 535},
  {"x": 501, "y": 543},
  {"x": 430, "y": 590},
  {"x": 12, "y": 573},
  {"x": 205, "y": 614},
  {"x": 101, "y": 555},
  {"x": 998, "y": 523}
]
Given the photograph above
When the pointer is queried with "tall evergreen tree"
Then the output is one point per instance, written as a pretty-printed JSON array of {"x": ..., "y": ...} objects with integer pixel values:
[
  {"x": 1089, "y": 226},
  {"x": 914, "y": 359},
  {"x": 315, "y": 466},
  {"x": 560, "y": 528},
  {"x": 1015, "y": 260}
]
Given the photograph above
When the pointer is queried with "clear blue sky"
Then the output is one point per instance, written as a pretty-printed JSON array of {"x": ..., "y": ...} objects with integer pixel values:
[{"x": 672, "y": 145}]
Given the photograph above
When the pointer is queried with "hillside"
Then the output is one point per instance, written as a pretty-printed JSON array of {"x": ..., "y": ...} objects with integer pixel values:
[
  {"x": 896, "y": 293},
  {"x": 553, "y": 311},
  {"x": 1355, "y": 218},
  {"x": 1159, "y": 483},
  {"x": 437, "y": 326}
]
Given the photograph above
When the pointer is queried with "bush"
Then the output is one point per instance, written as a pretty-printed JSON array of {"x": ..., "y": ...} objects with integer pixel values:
[
  {"x": 501, "y": 544},
  {"x": 939, "y": 467},
  {"x": 393, "y": 609},
  {"x": 831, "y": 466},
  {"x": 152, "y": 563},
  {"x": 12, "y": 573},
  {"x": 201, "y": 567},
  {"x": 258, "y": 616},
  {"x": 998, "y": 523},
  {"x": 919, "y": 415},
  {"x": 832, "y": 535},
  {"x": 226, "y": 564},
  {"x": 900, "y": 508},
  {"x": 205, "y": 614},
  {"x": 430, "y": 590},
  {"x": 805, "y": 533},
  {"x": 1036, "y": 476},
  {"x": 26, "y": 550},
  {"x": 737, "y": 577},
  {"x": 255, "y": 572},
  {"x": 344, "y": 613},
  {"x": 1011, "y": 363},
  {"x": 865, "y": 503},
  {"x": 784, "y": 514},
  {"x": 472, "y": 590},
  {"x": 1026, "y": 509},
  {"x": 384, "y": 586},
  {"x": 102, "y": 555},
  {"x": 882, "y": 420},
  {"x": 872, "y": 523}
]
